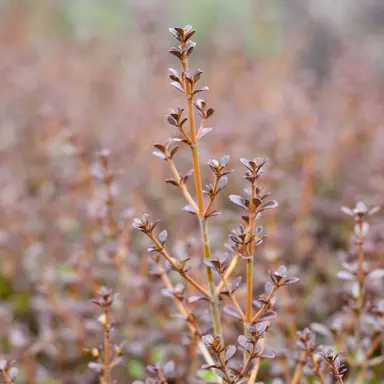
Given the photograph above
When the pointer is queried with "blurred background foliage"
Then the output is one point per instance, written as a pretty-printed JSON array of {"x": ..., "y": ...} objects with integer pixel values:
[{"x": 298, "y": 81}]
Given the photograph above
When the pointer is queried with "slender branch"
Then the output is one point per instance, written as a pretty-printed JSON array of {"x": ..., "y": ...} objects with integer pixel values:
[
  {"x": 202, "y": 125},
  {"x": 299, "y": 368},
  {"x": 375, "y": 344},
  {"x": 214, "y": 299},
  {"x": 107, "y": 349},
  {"x": 248, "y": 362},
  {"x": 316, "y": 368},
  {"x": 360, "y": 277},
  {"x": 248, "y": 310},
  {"x": 233, "y": 297},
  {"x": 227, "y": 273},
  {"x": 255, "y": 371},
  {"x": 161, "y": 376},
  {"x": 224, "y": 369},
  {"x": 163, "y": 252},
  {"x": 199, "y": 193},
  {"x": 6, "y": 378},
  {"x": 265, "y": 305},
  {"x": 193, "y": 327},
  {"x": 212, "y": 198},
  {"x": 182, "y": 186}
]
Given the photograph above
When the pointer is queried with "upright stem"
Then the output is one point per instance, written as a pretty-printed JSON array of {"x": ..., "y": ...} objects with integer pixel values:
[
  {"x": 211, "y": 286},
  {"x": 107, "y": 350},
  {"x": 360, "y": 278},
  {"x": 195, "y": 331},
  {"x": 200, "y": 199},
  {"x": 162, "y": 378},
  {"x": 227, "y": 273},
  {"x": 248, "y": 309},
  {"x": 6, "y": 378},
  {"x": 299, "y": 368},
  {"x": 316, "y": 369},
  {"x": 249, "y": 271},
  {"x": 232, "y": 297}
]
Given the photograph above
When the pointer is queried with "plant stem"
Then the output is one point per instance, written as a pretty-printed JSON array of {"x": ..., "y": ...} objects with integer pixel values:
[
  {"x": 232, "y": 297},
  {"x": 316, "y": 369},
  {"x": 192, "y": 327},
  {"x": 265, "y": 306},
  {"x": 214, "y": 299},
  {"x": 255, "y": 371},
  {"x": 224, "y": 368},
  {"x": 7, "y": 380},
  {"x": 227, "y": 273},
  {"x": 361, "y": 277},
  {"x": 182, "y": 187},
  {"x": 107, "y": 350},
  {"x": 215, "y": 310},
  {"x": 248, "y": 309},
  {"x": 193, "y": 282},
  {"x": 249, "y": 271},
  {"x": 299, "y": 368},
  {"x": 162, "y": 377}
]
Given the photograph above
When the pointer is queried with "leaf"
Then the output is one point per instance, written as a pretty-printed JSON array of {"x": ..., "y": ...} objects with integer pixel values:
[
  {"x": 194, "y": 299},
  {"x": 207, "y": 339},
  {"x": 213, "y": 213},
  {"x": 178, "y": 86},
  {"x": 201, "y": 89},
  {"x": 229, "y": 353},
  {"x": 174, "y": 75},
  {"x": 210, "y": 112},
  {"x": 169, "y": 367},
  {"x": 232, "y": 311},
  {"x": 222, "y": 183},
  {"x": 160, "y": 147},
  {"x": 321, "y": 329},
  {"x": 176, "y": 52},
  {"x": 291, "y": 280},
  {"x": 172, "y": 182},
  {"x": 171, "y": 120},
  {"x": 347, "y": 211},
  {"x": 12, "y": 373},
  {"x": 236, "y": 283},
  {"x": 377, "y": 273},
  {"x": 267, "y": 316},
  {"x": 224, "y": 160},
  {"x": 239, "y": 201},
  {"x": 209, "y": 264},
  {"x": 190, "y": 46},
  {"x": 267, "y": 354},
  {"x": 282, "y": 271},
  {"x": 163, "y": 236},
  {"x": 271, "y": 204},
  {"x": 196, "y": 75},
  {"x": 183, "y": 122},
  {"x": 345, "y": 275},
  {"x": 189, "y": 208},
  {"x": 173, "y": 152},
  {"x": 159, "y": 154},
  {"x": 190, "y": 33},
  {"x": 373, "y": 210},
  {"x": 245, "y": 162},
  {"x": 268, "y": 287},
  {"x": 95, "y": 366},
  {"x": 175, "y": 33},
  {"x": 204, "y": 132},
  {"x": 244, "y": 342}
]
